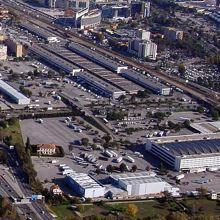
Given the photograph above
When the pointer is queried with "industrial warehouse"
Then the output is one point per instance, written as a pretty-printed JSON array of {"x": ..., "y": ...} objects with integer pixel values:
[
  {"x": 54, "y": 60},
  {"x": 42, "y": 33},
  {"x": 13, "y": 94},
  {"x": 84, "y": 185},
  {"x": 97, "y": 58},
  {"x": 146, "y": 82},
  {"x": 125, "y": 185},
  {"x": 192, "y": 156},
  {"x": 143, "y": 184},
  {"x": 98, "y": 85}
]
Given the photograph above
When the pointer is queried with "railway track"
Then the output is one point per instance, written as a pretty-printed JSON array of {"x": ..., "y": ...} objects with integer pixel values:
[{"x": 206, "y": 95}]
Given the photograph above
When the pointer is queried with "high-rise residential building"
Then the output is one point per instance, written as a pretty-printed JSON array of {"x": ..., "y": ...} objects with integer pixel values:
[
  {"x": 173, "y": 34},
  {"x": 143, "y": 34},
  {"x": 143, "y": 48},
  {"x": 14, "y": 47}
]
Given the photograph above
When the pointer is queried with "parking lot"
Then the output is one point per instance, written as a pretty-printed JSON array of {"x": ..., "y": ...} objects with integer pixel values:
[
  {"x": 54, "y": 130},
  {"x": 48, "y": 170},
  {"x": 193, "y": 181}
]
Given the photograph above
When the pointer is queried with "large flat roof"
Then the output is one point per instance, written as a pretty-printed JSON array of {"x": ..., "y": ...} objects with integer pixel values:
[
  {"x": 137, "y": 178},
  {"x": 37, "y": 30},
  {"x": 84, "y": 180},
  {"x": 98, "y": 81},
  {"x": 206, "y": 127},
  {"x": 190, "y": 148},
  {"x": 93, "y": 55},
  {"x": 12, "y": 91},
  {"x": 143, "y": 79},
  {"x": 52, "y": 58}
]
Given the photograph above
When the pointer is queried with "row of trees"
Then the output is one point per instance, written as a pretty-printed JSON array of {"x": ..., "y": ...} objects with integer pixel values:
[
  {"x": 25, "y": 159},
  {"x": 122, "y": 168},
  {"x": 25, "y": 91}
]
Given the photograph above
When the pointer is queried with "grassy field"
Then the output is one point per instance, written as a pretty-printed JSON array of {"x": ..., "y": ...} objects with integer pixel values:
[
  {"x": 14, "y": 131},
  {"x": 62, "y": 211},
  {"x": 146, "y": 208},
  {"x": 204, "y": 206}
]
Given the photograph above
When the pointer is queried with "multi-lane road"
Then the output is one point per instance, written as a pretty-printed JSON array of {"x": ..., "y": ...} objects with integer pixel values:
[{"x": 33, "y": 210}]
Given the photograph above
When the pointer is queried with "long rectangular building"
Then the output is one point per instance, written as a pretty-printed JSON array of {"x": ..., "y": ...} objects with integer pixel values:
[
  {"x": 12, "y": 93},
  {"x": 146, "y": 82},
  {"x": 142, "y": 184},
  {"x": 98, "y": 85},
  {"x": 96, "y": 57},
  {"x": 95, "y": 69},
  {"x": 191, "y": 156},
  {"x": 42, "y": 33},
  {"x": 54, "y": 60},
  {"x": 84, "y": 185}
]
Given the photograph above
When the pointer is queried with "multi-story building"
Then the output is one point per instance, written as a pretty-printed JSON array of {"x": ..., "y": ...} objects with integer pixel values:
[
  {"x": 140, "y": 8},
  {"x": 143, "y": 34},
  {"x": 55, "y": 190},
  {"x": 77, "y": 4},
  {"x": 90, "y": 20},
  {"x": 143, "y": 48},
  {"x": 192, "y": 156},
  {"x": 116, "y": 12},
  {"x": 46, "y": 149},
  {"x": 14, "y": 47},
  {"x": 3, "y": 52},
  {"x": 173, "y": 33},
  {"x": 142, "y": 184}
]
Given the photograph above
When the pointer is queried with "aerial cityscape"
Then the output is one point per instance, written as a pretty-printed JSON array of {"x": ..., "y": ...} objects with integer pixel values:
[{"x": 110, "y": 109}]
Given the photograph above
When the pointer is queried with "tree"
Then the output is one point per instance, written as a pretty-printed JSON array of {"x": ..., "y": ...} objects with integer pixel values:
[
  {"x": 200, "y": 109},
  {"x": 110, "y": 168},
  {"x": 215, "y": 114},
  {"x": 202, "y": 191},
  {"x": 106, "y": 138},
  {"x": 123, "y": 167},
  {"x": 133, "y": 168},
  {"x": 181, "y": 68},
  {"x": 81, "y": 208},
  {"x": 12, "y": 121},
  {"x": 3, "y": 124},
  {"x": 85, "y": 142},
  {"x": 131, "y": 210},
  {"x": 177, "y": 216},
  {"x": 28, "y": 143}
]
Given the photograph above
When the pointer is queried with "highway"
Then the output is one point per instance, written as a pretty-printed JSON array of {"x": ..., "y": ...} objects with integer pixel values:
[
  {"x": 45, "y": 21},
  {"x": 34, "y": 210}
]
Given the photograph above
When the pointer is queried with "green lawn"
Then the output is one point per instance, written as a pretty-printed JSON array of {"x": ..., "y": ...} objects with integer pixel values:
[
  {"x": 146, "y": 208},
  {"x": 62, "y": 211}
]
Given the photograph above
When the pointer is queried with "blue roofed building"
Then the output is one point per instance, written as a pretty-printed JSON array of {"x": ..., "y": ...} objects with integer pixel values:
[{"x": 192, "y": 156}]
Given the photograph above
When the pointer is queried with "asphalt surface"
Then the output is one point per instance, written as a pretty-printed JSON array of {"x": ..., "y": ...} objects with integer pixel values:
[{"x": 35, "y": 208}]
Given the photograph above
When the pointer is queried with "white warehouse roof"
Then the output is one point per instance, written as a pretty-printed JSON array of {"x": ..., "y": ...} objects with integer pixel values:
[
  {"x": 84, "y": 180},
  {"x": 134, "y": 178},
  {"x": 15, "y": 95}
]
